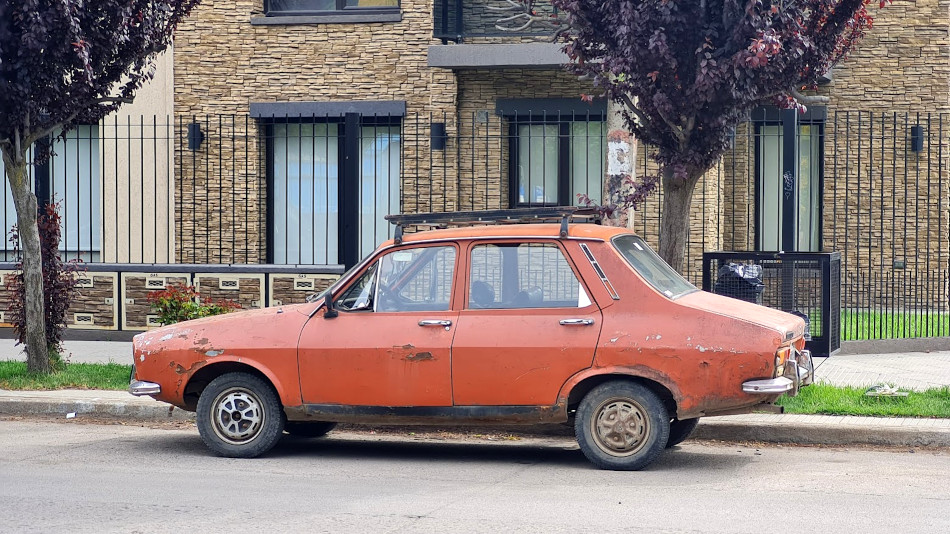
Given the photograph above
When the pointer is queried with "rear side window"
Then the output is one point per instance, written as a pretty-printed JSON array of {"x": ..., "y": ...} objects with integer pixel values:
[
  {"x": 651, "y": 267},
  {"x": 525, "y": 275}
]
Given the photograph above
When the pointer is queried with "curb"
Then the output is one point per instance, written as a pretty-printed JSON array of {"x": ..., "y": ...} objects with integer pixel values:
[
  {"x": 824, "y": 434},
  {"x": 133, "y": 410},
  {"x": 791, "y": 429}
]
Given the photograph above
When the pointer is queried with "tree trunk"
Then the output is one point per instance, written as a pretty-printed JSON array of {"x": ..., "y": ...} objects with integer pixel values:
[
  {"x": 674, "y": 220},
  {"x": 37, "y": 353}
]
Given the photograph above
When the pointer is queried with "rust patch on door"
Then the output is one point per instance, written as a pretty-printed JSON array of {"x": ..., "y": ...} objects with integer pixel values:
[{"x": 420, "y": 357}]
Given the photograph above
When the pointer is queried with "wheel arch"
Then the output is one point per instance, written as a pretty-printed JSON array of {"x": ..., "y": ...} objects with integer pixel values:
[
  {"x": 203, "y": 376},
  {"x": 584, "y": 385}
]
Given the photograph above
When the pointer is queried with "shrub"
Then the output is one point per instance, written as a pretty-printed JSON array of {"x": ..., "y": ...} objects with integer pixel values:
[
  {"x": 59, "y": 284},
  {"x": 179, "y": 302}
]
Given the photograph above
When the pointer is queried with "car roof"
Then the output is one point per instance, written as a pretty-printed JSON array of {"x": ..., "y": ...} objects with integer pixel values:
[{"x": 580, "y": 231}]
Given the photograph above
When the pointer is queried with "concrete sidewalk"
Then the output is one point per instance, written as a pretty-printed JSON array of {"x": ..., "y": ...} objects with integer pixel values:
[{"x": 909, "y": 370}]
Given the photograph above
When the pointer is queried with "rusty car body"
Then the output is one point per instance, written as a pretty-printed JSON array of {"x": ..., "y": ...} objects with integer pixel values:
[{"x": 517, "y": 324}]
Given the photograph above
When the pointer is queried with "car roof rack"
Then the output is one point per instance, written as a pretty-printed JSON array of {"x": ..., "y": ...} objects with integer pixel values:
[{"x": 563, "y": 214}]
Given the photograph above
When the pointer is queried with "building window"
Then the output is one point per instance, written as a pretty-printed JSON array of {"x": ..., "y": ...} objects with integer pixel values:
[
  {"x": 555, "y": 158},
  {"x": 305, "y": 193},
  {"x": 310, "y": 7},
  {"x": 330, "y": 184},
  {"x": 775, "y": 187},
  {"x": 70, "y": 177}
]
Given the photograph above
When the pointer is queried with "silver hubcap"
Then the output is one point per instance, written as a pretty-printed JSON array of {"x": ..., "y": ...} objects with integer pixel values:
[
  {"x": 620, "y": 427},
  {"x": 237, "y": 415}
]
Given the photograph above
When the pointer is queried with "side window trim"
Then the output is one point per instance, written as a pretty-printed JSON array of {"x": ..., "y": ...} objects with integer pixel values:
[{"x": 600, "y": 272}]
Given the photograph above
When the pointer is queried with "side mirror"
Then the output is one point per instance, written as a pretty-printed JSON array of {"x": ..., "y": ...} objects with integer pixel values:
[{"x": 330, "y": 313}]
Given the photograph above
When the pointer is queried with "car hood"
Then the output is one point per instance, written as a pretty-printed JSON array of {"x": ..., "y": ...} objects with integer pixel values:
[
  {"x": 788, "y": 326},
  {"x": 248, "y": 328}
]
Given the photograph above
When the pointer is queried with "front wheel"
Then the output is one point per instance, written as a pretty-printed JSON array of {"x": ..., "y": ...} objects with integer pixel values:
[
  {"x": 621, "y": 426},
  {"x": 239, "y": 416},
  {"x": 680, "y": 430}
]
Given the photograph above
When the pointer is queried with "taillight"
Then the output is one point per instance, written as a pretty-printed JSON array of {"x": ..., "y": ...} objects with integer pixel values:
[{"x": 781, "y": 356}]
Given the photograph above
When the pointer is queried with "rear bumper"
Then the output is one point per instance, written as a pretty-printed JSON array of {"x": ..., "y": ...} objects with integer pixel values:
[{"x": 799, "y": 372}]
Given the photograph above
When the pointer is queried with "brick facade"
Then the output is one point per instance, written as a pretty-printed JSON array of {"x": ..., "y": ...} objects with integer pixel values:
[{"x": 223, "y": 63}]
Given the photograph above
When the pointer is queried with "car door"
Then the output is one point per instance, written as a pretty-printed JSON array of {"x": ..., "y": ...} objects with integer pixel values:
[
  {"x": 527, "y": 325},
  {"x": 390, "y": 343}
]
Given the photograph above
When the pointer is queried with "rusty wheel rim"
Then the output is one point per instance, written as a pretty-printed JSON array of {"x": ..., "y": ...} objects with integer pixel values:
[
  {"x": 237, "y": 416},
  {"x": 620, "y": 427}
]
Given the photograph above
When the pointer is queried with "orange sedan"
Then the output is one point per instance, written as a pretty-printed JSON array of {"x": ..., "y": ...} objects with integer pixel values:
[{"x": 511, "y": 324}]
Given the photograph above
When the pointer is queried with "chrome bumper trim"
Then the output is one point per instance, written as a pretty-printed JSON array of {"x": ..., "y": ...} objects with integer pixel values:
[
  {"x": 139, "y": 388},
  {"x": 768, "y": 386},
  {"x": 806, "y": 368},
  {"x": 799, "y": 372}
]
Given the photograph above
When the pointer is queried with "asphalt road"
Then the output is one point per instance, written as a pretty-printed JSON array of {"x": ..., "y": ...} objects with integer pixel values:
[{"x": 74, "y": 477}]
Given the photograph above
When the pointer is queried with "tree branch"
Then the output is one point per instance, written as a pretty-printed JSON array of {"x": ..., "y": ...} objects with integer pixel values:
[
  {"x": 807, "y": 99},
  {"x": 526, "y": 17},
  {"x": 103, "y": 100},
  {"x": 628, "y": 103}
]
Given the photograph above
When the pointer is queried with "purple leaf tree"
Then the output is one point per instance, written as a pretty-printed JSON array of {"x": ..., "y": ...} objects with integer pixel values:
[
  {"x": 686, "y": 72},
  {"x": 65, "y": 63}
]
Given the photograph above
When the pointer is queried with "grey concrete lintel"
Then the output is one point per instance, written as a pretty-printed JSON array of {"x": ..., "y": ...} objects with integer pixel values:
[{"x": 497, "y": 56}]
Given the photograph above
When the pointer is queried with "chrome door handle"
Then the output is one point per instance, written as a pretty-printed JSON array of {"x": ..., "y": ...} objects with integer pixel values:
[
  {"x": 435, "y": 322},
  {"x": 576, "y": 322}
]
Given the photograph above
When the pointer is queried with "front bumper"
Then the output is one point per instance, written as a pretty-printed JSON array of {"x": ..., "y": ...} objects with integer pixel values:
[
  {"x": 799, "y": 372},
  {"x": 140, "y": 388}
]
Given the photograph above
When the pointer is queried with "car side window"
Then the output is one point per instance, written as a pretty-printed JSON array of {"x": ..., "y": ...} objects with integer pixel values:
[
  {"x": 416, "y": 279},
  {"x": 360, "y": 295},
  {"x": 524, "y": 275}
]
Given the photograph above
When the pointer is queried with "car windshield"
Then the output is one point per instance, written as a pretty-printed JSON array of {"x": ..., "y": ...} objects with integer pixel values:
[{"x": 651, "y": 267}]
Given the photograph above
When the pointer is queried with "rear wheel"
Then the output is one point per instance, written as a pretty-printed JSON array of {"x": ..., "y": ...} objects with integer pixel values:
[
  {"x": 680, "y": 430},
  {"x": 306, "y": 429},
  {"x": 621, "y": 426},
  {"x": 239, "y": 416}
]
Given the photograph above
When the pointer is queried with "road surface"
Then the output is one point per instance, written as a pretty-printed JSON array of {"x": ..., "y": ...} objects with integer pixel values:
[{"x": 69, "y": 476}]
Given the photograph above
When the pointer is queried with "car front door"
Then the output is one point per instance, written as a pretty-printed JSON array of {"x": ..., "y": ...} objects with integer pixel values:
[
  {"x": 527, "y": 325},
  {"x": 390, "y": 344}
]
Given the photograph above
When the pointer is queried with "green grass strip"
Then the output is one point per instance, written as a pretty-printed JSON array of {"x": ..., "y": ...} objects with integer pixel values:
[
  {"x": 831, "y": 400},
  {"x": 858, "y": 325},
  {"x": 13, "y": 375}
]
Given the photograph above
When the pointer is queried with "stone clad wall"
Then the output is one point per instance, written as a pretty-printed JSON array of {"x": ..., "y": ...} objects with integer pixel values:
[
  {"x": 898, "y": 77},
  {"x": 223, "y": 63},
  {"x": 902, "y": 63},
  {"x": 885, "y": 207},
  {"x": 484, "y": 148}
]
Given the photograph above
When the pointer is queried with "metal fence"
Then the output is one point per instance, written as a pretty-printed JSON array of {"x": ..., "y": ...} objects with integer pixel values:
[{"x": 312, "y": 190}]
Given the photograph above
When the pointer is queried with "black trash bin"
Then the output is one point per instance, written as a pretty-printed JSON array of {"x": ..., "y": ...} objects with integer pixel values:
[{"x": 740, "y": 281}]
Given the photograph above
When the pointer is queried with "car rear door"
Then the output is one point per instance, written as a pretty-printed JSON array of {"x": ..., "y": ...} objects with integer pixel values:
[{"x": 528, "y": 323}]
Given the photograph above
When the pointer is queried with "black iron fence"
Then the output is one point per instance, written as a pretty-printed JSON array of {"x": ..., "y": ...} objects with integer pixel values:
[{"x": 313, "y": 190}]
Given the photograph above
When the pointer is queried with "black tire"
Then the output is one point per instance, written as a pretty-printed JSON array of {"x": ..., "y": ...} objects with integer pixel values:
[
  {"x": 680, "y": 430},
  {"x": 621, "y": 426},
  {"x": 306, "y": 429},
  {"x": 239, "y": 416}
]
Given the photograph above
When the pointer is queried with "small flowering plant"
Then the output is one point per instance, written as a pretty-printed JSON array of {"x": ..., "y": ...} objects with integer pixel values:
[{"x": 179, "y": 302}]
